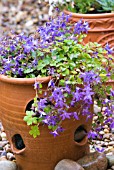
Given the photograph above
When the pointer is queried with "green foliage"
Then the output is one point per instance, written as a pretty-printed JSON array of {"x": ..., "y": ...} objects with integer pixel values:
[
  {"x": 34, "y": 131},
  {"x": 86, "y": 6},
  {"x": 107, "y": 5},
  {"x": 29, "y": 118}
]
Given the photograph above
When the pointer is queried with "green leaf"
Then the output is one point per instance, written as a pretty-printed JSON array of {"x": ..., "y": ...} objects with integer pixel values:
[
  {"x": 29, "y": 119},
  {"x": 47, "y": 109},
  {"x": 34, "y": 131},
  {"x": 40, "y": 85},
  {"x": 62, "y": 82},
  {"x": 28, "y": 71}
]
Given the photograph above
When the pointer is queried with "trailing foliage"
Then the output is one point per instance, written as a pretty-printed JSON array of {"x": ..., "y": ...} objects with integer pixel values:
[{"x": 78, "y": 73}]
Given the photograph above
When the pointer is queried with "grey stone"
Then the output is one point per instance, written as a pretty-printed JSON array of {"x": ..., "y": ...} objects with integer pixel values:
[
  {"x": 111, "y": 143},
  {"x": 94, "y": 161},
  {"x": 110, "y": 160},
  {"x": 112, "y": 167},
  {"x": 67, "y": 164},
  {"x": 10, "y": 156},
  {"x": 8, "y": 165},
  {"x": 2, "y": 144}
]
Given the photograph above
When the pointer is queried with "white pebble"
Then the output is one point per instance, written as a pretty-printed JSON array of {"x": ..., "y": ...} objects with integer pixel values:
[
  {"x": 3, "y": 135},
  {"x": 101, "y": 133}
]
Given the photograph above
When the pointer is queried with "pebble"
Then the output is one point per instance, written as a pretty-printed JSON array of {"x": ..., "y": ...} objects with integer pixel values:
[
  {"x": 3, "y": 158},
  {"x": 106, "y": 130},
  {"x": 110, "y": 160},
  {"x": 67, "y": 164},
  {"x": 3, "y": 143},
  {"x": 96, "y": 109},
  {"x": 3, "y": 136},
  {"x": 10, "y": 156},
  {"x": 8, "y": 165},
  {"x": 106, "y": 136},
  {"x": 7, "y": 148},
  {"x": 24, "y": 16},
  {"x": 101, "y": 133},
  {"x": 94, "y": 161},
  {"x": 111, "y": 143},
  {"x": 29, "y": 23},
  {"x": 112, "y": 167}
]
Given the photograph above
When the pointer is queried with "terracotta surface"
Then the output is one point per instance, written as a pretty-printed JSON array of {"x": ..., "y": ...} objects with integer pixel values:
[
  {"x": 110, "y": 83},
  {"x": 44, "y": 152},
  {"x": 101, "y": 27}
]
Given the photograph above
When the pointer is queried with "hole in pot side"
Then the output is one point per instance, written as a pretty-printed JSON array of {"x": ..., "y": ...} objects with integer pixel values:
[
  {"x": 80, "y": 134},
  {"x": 18, "y": 142},
  {"x": 29, "y": 105}
]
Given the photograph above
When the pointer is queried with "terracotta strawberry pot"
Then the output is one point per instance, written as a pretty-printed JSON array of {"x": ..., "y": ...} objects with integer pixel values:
[
  {"x": 101, "y": 27},
  {"x": 45, "y": 151},
  {"x": 110, "y": 83}
]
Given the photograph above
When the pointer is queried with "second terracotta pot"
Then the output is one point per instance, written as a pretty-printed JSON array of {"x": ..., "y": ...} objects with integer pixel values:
[{"x": 101, "y": 27}]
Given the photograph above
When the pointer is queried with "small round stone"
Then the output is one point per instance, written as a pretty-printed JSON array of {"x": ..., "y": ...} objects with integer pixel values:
[
  {"x": 111, "y": 143},
  {"x": 106, "y": 130},
  {"x": 3, "y": 135},
  {"x": 7, "y": 148},
  {"x": 10, "y": 156},
  {"x": 101, "y": 133},
  {"x": 112, "y": 167},
  {"x": 8, "y": 165},
  {"x": 67, "y": 164}
]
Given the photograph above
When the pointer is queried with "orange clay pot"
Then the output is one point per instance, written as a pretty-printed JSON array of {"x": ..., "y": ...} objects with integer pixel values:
[
  {"x": 45, "y": 151},
  {"x": 101, "y": 27},
  {"x": 110, "y": 83}
]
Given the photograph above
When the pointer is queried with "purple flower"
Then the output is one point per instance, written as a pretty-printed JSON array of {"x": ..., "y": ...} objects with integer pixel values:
[
  {"x": 57, "y": 94},
  {"x": 112, "y": 93},
  {"x": 90, "y": 77},
  {"x": 92, "y": 135},
  {"x": 108, "y": 49},
  {"x": 54, "y": 133},
  {"x": 51, "y": 83},
  {"x": 77, "y": 95},
  {"x": 87, "y": 93},
  {"x": 100, "y": 149},
  {"x": 112, "y": 124},
  {"x": 68, "y": 89},
  {"x": 36, "y": 85},
  {"x": 65, "y": 115},
  {"x": 42, "y": 104},
  {"x": 75, "y": 115},
  {"x": 81, "y": 27},
  {"x": 28, "y": 47}
]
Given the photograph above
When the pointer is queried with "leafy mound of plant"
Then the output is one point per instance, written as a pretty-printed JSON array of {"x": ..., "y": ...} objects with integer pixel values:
[{"x": 78, "y": 73}]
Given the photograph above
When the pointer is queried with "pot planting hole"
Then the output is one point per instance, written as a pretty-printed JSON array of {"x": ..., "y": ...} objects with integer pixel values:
[
  {"x": 29, "y": 105},
  {"x": 80, "y": 134},
  {"x": 18, "y": 142}
]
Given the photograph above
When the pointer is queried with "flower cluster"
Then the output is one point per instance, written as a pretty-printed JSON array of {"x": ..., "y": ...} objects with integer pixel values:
[{"x": 78, "y": 73}]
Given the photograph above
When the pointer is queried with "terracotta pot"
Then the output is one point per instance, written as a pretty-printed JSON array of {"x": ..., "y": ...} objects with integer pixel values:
[
  {"x": 45, "y": 151},
  {"x": 101, "y": 27},
  {"x": 110, "y": 83}
]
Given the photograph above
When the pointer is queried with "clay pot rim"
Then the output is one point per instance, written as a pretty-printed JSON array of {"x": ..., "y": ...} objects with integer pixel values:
[
  {"x": 89, "y": 16},
  {"x": 24, "y": 81}
]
